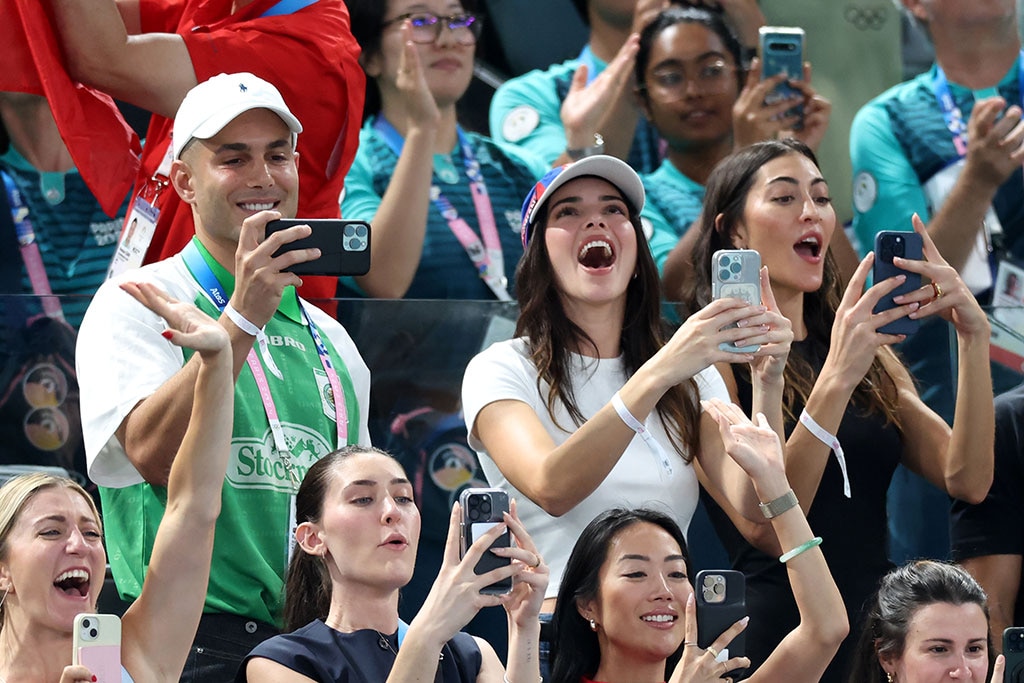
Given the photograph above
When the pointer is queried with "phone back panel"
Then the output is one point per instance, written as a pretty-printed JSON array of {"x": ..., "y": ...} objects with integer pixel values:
[
  {"x": 889, "y": 243},
  {"x": 482, "y": 509},
  {"x": 736, "y": 273},
  {"x": 721, "y": 600},
  {"x": 782, "y": 51},
  {"x": 97, "y": 645},
  {"x": 1013, "y": 650},
  {"x": 344, "y": 245}
]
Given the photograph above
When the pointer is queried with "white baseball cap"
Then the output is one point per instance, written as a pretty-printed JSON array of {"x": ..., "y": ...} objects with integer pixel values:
[{"x": 215, "y": 103}]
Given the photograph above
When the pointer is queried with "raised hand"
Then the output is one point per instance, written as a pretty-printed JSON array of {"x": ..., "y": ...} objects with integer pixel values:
[
  {"x": 586, "y": 107},
  {"x": 699, "y": 665},
  {"x": 187, "y": 326},
  {"x": 417, "y": 100},
  {"x": 770, "y": 360},
  {"x": 755, "y": 447},
  {"x": 528, "y": 586},
  {"x": 995, "y": 146}
]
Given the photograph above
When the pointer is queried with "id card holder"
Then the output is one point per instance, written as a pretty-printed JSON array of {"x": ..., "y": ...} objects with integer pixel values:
[
  {"x": 290, "y": 543},
  {"x": 135, "y": 238}
]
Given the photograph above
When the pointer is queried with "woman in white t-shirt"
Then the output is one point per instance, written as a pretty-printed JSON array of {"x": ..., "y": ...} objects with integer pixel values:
[{"x": 553, "y": 413}]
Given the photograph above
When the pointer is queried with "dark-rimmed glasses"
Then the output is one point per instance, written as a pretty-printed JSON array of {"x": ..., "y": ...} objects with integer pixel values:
[{"x": 426, "y": 26}]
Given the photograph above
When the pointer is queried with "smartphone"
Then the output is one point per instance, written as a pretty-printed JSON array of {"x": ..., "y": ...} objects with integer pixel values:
[
  {"x": 889, "y": 243},
  {"x": 344, "y": 245},
  {"x": 482, "y": 509},
  {"x": 1013, "y": 650},
  {"x": 782, "y": 51},
  {"x": 736, "y": 273},
  {"x": 721, "y": 598},
  {"x": 97, "y": 645}
]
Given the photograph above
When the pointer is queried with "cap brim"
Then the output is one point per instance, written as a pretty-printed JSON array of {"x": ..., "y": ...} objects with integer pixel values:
[{"x": 614, "y": 170}]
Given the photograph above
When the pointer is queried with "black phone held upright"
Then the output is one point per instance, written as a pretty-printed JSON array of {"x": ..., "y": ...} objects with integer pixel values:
[
  {"x": 721, "y": 598},
  {"x": 908, "y": 245},
  {"x": 1013, "y": 650},
  {"x": 482, "y": 509},
  {"x": 344, "y": 245}
]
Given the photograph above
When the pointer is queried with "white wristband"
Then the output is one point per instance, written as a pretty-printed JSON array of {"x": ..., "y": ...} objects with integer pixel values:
[
  {"x": 240, "y": 321},
  {"x": 829, "y": 440},
  {"x": 637, "y": 426}
]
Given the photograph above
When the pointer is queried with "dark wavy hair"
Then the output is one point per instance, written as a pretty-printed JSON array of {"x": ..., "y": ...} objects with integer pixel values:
[
  {"x": 726, "y": 196},
  {"x": 575, "y": 651},
  {"x": 712, "y": 20},
  {"x": 901, "y": 593},
  {"x": 552, "y": 336},
  {"x": 307, "y": 589},
  {"x": 366, "y": 18}
]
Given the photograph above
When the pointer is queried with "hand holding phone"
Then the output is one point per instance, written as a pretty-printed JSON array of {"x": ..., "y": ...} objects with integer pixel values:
[
  {"x": 736, "y": 273},
  {"x": 781, "y": 49},
  {"x": 908, "y": 245},
  {"x": 97, "y": 645},
  {"x": 344, "y": 245},
  {"x": 482, "y": 510},
  {"x": 721, "y": 602}
]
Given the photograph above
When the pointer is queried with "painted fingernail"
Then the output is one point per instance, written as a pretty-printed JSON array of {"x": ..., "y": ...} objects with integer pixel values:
[
  {"x": 741, "y": 323},
  {"x": 167, "y": 334}
]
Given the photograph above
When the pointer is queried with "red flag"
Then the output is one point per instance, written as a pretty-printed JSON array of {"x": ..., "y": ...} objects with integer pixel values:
[{"x": 103, "y": 146}]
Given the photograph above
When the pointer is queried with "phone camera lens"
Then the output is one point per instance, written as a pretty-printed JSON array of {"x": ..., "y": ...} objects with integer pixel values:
[
  {"x": 709, "y": 581},
  {"x": 723, "y": 275},
  {"x": 361, "y": 231},
  {"x": 350, "y": 230},
  {"x": 899, "y": 249},
  {"x": 86, "y": 623},
  {"x": 736, "y": 267},
  {"x": 724, "y": 261},
  {"x": 93, "y": 633},
  {"x": 474, "y": 513},
  {"x": 485, "y": 507}
]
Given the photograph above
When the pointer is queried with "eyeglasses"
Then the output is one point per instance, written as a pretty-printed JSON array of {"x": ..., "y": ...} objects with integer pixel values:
[
  {"x": 426, "y": 27},
  {"x": 670, "y": 83}
]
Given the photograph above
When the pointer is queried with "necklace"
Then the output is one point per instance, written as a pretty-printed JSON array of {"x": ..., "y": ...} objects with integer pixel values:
[{"x": 383, "y": 642}]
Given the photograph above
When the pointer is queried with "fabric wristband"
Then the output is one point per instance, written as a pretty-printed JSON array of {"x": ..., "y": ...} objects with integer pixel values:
[
  {"x": 240, "y": 321},
  {"x": 786, "y": 557},
  {"x": 637, "y": 426},
  {"x": 829, "y": 440}
]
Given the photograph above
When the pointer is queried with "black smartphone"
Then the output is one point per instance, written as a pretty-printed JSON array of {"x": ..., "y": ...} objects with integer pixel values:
[
  {"x": 890, "y": 243},
  {"x": 782, "y": 51},
  {"x": 1013, "y": 650},
  {"x": 344, "y": 245},
  {"x": 736, "y": 273},
  {"x": 721, "y": 597},
  {"x": 482, "y": 509}
]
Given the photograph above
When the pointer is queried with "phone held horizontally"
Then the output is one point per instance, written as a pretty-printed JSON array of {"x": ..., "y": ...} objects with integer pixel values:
[
  {"x": 97, "y": 645},
  {"x": 344, "y": 245},
  {"x": 482, "y": 510},
  {"x": 736, "y": 273},
  {"x": 908, "y": 245},
  {"x": 782, "y": 52}
]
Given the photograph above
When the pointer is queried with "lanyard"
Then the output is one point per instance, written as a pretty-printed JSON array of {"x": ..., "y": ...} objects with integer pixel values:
[
  {"x": 287, "y": 7},
  {"x": 29, "y": 248},
  {"x": 487, "y": 258},
  {"x": 211, "y": 286}
]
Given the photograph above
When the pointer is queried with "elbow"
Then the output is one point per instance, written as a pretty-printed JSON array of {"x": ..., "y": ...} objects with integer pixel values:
[
  {"x": 836, "y": 630},
  {"x": 972, "y": 489},
  {"x": 556, "y": 506}
]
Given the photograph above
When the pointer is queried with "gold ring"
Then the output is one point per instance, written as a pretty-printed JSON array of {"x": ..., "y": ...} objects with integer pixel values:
[
  {"x": 534, "y": 566},
  {"x": 689, "y": 644},
  {"x": 936, "y": 290},
  {"x": 712, "y": 650}
]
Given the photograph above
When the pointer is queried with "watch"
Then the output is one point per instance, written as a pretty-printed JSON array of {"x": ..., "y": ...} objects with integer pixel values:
[
  {"x": 774, "y": 508},
  {"x": 577, "y": 153}
]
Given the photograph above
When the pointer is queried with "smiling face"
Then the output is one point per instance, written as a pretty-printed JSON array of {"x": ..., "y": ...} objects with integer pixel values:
[
  {"x": 54, "y": 563},
  {"x": 249, "y": 166},
  {"x": 591, "y": 242},
  {"x": 370, "y": 526},
  {"x": 641, "y": 599},
  {"x": 788, "y": 218},
  {"x": 943, "y": 641},
  {"x": 447, "y": 64},
  {"x": 690, "y": 86}
]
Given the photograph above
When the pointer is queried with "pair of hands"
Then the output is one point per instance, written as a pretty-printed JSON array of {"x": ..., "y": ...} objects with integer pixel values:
[
  {"x": 753, "y": 120},
  {"x": 455, "y": 597},
  {"x": 855, "y": 338},
  {"x": 695, "y": 345}
]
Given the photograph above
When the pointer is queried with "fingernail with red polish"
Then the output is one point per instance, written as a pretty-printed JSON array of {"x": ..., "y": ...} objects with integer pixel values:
[{"x": 166, "y": 334}]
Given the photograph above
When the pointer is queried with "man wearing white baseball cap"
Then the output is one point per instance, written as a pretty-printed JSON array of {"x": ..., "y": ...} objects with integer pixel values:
[{"x": 302, "y": 389}]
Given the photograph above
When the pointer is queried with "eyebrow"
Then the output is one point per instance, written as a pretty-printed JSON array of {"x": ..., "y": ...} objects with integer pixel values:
[
  {"x": 372, "y": 482},
  {"x": 243, "y": 147},
  {"x": 645, "y": 558},
  {"x": 576, "y": 199},
  {"x": 676, "y": 61},
  {"x": 794, "y": 181}
]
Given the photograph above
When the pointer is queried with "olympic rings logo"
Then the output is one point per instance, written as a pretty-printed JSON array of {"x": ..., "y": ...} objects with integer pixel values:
[{"x": 865, "y": 18}]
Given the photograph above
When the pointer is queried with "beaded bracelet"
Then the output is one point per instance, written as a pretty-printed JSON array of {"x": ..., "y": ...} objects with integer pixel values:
[{"x": 786, "y": 557}]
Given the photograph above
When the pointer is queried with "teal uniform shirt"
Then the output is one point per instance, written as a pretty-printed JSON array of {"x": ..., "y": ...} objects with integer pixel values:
[{"x": 673, "y": 203}]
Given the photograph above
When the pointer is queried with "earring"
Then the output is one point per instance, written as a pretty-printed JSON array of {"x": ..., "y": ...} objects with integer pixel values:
[
  {"x": 593, "y": 626},
  {"x": 889, "y": 677}
]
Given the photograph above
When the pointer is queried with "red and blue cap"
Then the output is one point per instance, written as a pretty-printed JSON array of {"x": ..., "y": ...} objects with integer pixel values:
[{"x": 615, "y": 171}]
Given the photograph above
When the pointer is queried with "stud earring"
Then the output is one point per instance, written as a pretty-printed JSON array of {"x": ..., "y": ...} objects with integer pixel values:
[{"x": 593, "y": 625}]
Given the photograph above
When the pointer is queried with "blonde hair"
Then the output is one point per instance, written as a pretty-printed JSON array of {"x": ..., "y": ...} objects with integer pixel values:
[{"x": 17, "y": 492}]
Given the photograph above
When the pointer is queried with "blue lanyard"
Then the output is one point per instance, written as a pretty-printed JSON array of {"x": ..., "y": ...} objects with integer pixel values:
[
  {"x": 955, "y": 123},
  {"x": 288, "y": 7}
]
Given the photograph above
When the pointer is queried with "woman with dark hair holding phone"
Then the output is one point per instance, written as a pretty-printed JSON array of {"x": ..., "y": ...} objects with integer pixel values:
[
  {"x": 626, "y": 613},
  {"x": 928, "y": 621},
  {"x": 593, "y": 405},
  {"x": 443, "y": 202},
  {"x": 846, "y": 391},
  {"x": 357, "y": 535}
]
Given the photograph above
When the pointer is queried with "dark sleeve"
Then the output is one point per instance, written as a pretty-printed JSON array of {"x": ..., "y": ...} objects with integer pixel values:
[
  {"x": 994, "y": 526},
  {"x": 291, "y": 650},
  {"x": 466, "y": 660}
]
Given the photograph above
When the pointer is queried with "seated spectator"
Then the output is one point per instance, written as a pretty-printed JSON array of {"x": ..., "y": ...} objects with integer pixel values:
[
  {"x": 694, "y": 91},
  {"x": 118, "y": 47},
  {"x": 541, "y": 110},
  {"x": 444, "y": 203},
  {"x": 301, "y": 391},
  {"x": 634, "y": 563},
  {"x": 52, "y": 559},
  {"x": 358, "y": 530},
  {"x": 554, "y": 413},
  {"x": 928, "y": 620},
  {"x": 988, "y": 538},
  {"x": 845, "y": 390}
]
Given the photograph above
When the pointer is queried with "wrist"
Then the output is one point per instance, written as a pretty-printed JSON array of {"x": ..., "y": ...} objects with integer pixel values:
[{"x": 593, "y": 147}]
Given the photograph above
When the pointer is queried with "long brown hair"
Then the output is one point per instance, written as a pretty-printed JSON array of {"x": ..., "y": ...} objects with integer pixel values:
[
  {"x": 726, "y": 196},
  {"x": 552, "y": 336}
]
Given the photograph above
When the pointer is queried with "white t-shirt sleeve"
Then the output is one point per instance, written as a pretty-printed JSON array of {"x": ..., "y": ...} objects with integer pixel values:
[
  {"x": 498, "y": 373},
  {"x": 711, "y": 385}
]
